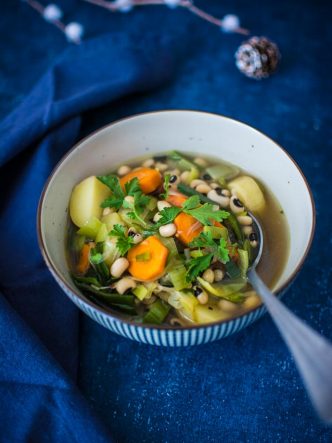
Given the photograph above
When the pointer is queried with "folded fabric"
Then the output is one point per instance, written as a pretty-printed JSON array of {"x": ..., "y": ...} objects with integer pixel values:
[{"x": 38, "y": 324}]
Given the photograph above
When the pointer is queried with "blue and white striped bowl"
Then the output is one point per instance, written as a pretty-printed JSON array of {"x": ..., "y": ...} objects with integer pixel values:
[{"x": 194, "y": 132}]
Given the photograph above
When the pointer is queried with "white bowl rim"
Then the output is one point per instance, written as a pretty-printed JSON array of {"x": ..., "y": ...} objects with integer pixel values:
[{"x": 104, "y": 311}]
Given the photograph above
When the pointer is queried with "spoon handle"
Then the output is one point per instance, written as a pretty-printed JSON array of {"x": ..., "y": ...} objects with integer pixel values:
[{"x": 312, "y": 352}]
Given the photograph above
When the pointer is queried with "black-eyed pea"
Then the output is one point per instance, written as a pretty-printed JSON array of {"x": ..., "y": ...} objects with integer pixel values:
[
  {"x": 149, "y": 163},
  {"x": 244, "y": 220},
  {"x": 123, "y": 170},
  {"x": 235, "y": 205},
  {"x": 121, "y": 286},
  {"x": 253, "y": 240},
  {"x": 220, "y": 199},
  {"x": 247, "y": 230},
  {"x": 218, "y": 274},
  {"x": 167, "y": 230},
  {"x": 194, "y": 183},
  {"x": 119, "y": 266},
  {"x": 184, "y": 177},
  {"x": 157, "y": 217},
  {"x": 161, "y": 166},
  {"x": 162, "y": 204},
  {"x": 201, "y": 295},
  {"x": 208, "y": 275},
  {"x": 203, "y": 188}
]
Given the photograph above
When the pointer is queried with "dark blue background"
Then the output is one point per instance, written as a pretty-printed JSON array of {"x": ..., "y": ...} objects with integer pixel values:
[{"x": 245, "y": 387}]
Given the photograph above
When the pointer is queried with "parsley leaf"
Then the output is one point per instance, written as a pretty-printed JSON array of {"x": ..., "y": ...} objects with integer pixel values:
[
  {"x": 206, "y": 214},
  {"x": 167, "y": 215},
  {"x": 198, "y": 265},
  {"x": 204, "y": 240},
  {"x": 132, "y": 186},
  {"x": 218, "y": 250},
  {"x": 116, "y": 199},
  {"x": 124, "y": 242},
  {"x": 223, "y": 253},
  {"x": 191, "y": 203},
  {"x": 166, "y": 187}
]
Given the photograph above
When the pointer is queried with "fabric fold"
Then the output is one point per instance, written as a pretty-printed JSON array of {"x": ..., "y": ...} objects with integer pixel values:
[{"x": 38, "y": 324}]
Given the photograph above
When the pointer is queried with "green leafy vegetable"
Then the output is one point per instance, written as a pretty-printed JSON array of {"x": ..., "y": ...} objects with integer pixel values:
[
  {"x": 116, "y": 199},
  {"x": 157, "y": 313},
  {"x": 219, "y": 250},
  {"x": 223, "y": 253},
  {"x": 198, "y": 265},
  {"x": 168, "y": 215},
  {"x": 124, "y": 242},
  {"x": 191, "y": 203},
  {"x": 206, "y": 214}
]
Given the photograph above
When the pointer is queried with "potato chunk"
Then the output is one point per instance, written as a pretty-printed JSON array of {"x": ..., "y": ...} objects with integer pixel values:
[
  {"x": 248, "y": 191},
  {"x": 85, "y": 200}
]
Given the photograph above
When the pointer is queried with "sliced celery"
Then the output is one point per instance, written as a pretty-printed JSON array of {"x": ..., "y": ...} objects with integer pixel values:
[
  {"x": 187, "y": 302},
  {"x": 91, "y": 228},
  {"x": 232, "y": 223},
  {"x": 225, "y": 290},
  {"x": 248, "y": 248},
  {"x": 185, "y": 165},
  {"x": 196, "y": 253},
  {"x": 112, "y": 219},
  {"x": 145, "y": 290},
  {"x": 102, "y": 233},
  {"x": 141, "y": 292},
  {"x": 178, "y": 277},
  {"x": 244, "y": 262},
  {"x": 157, "y": 313},
  {"x": 217, "y": 232},
  {"x": 223, "y": 170},
  {"x": 110, "y": 250},
  {"x": 170, "y": 244}
]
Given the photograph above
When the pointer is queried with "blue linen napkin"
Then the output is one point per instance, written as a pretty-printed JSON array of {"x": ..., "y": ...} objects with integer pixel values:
[{"x": 38, "y": 324}]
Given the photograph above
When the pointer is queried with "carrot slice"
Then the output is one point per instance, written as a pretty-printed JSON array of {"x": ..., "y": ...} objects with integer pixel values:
[
  {"x": 149, "y": 179},
  {"x": 147, "y": 260},
  {"x": 187, "y": 227},
  {"x": 84, "y": 262},
  {"x": 176, "y": 199}
]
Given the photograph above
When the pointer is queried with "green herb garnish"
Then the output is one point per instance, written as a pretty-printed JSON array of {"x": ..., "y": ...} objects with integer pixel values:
[
  {"x": 198, "y": 265},
  {"x": 166, "y": 187},
  {"x": 116, "y": 199},
  {"x": 124, "y": 242}
]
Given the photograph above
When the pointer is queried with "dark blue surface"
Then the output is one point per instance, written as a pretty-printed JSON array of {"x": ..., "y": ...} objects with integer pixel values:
[{"x": 245, "y": 387}]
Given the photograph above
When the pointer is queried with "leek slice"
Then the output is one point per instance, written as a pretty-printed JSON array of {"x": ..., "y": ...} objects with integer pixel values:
[
  {"x": 223, "y": 170},
  {"x": 228, "y": 291},
  {"x": 244, "y": 262},
  {"x": 178, "y": 277},
  {"x": 91, "y": 228},
  {"x": 216, "y": 232},
  {"x": 157, "y": 313}
]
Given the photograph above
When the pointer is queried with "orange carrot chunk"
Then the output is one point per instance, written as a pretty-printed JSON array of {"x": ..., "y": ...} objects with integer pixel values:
[
  {"x": 84, "y": 262},
  {"x": 147, "y": 260},
  {"x": 187, "y": 227},
  {"x": 176, "y": 199},
  {"x": 149, "y": 179}
]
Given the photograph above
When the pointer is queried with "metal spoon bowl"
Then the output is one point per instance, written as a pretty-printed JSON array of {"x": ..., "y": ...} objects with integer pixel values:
[{"x": 311, "y": 351}]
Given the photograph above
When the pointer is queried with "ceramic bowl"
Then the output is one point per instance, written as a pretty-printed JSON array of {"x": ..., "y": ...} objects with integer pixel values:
[{"x": 194, "y": 132}]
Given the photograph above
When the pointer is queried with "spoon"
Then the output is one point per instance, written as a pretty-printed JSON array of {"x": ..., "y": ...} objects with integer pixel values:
[{"x": 311, "y": 351}]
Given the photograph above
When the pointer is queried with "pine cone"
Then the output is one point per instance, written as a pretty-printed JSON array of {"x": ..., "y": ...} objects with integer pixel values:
[{"x": 257, "y": 57}]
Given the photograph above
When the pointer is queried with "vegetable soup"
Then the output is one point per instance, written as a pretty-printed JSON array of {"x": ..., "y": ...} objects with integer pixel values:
[{"x": 169, "y": 239}]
